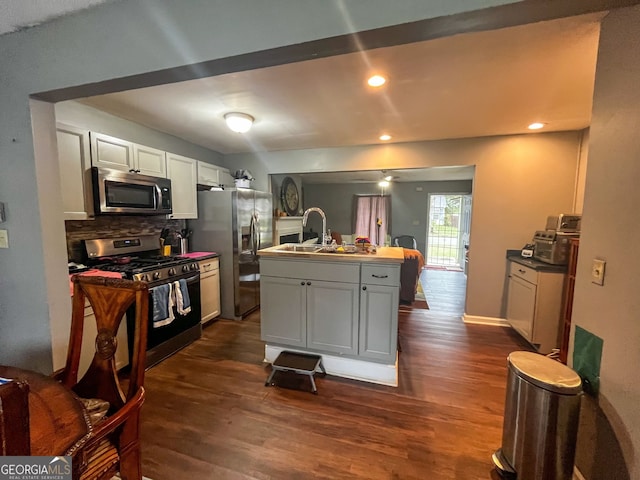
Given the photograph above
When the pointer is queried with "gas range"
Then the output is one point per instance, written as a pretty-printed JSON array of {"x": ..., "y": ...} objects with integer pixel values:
[{"x": 137, "y": 259}]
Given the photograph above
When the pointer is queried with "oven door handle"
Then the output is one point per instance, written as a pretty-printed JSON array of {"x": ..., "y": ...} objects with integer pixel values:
[
  {"x": 189, "y": 280},
  {"x": 193, "y": 279}
]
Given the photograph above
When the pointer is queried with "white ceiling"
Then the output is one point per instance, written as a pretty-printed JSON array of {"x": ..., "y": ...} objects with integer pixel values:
[
  {"x": 468, "y": 85},
  {"x": 18, "y": 14}
]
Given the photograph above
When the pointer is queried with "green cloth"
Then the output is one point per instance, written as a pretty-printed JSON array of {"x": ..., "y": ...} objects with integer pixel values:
[{"x": 587, "y": 355}]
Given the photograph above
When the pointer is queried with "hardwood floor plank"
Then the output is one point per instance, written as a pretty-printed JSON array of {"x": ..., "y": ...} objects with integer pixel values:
[{"x": 209, "y": 415}]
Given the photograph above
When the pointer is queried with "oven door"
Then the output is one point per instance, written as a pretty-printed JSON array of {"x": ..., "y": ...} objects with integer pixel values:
[{"x": 163, "y": 341}]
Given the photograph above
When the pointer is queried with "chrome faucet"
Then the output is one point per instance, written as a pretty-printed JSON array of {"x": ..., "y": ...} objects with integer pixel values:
[{"x": 305, "y": 216}]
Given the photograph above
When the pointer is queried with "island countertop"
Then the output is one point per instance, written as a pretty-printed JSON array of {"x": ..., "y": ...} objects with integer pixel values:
[{"x": 383, "y": 255}]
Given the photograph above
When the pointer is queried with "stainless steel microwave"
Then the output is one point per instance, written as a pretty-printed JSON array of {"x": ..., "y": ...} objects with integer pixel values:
[{"x": 122, "y": 193}]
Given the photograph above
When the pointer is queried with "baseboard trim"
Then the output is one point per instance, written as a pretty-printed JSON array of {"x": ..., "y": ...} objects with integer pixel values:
[
  {"x": 478, "y": 320},
  {"x": 347, "y": 367},
  {"x": 577, "y": 475}
]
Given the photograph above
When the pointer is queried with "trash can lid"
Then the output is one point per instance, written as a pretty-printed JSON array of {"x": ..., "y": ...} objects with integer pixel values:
[{"x": 545, "y": 372}]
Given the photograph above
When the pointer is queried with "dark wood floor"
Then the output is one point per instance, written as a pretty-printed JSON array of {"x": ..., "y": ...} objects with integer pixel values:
[{"x": 208, "y": 414}]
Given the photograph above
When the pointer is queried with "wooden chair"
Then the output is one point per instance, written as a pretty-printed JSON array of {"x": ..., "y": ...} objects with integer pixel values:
[{"x": 114, "y": 444}]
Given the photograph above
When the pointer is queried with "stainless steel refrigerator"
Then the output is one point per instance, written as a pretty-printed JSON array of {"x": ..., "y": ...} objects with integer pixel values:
[{"x": 235, "y": 224}]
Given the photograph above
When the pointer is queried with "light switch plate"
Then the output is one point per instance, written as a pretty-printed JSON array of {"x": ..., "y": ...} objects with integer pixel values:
[
  {"x": 597, "y": 271},
  {"x": 4, "y": 239}
]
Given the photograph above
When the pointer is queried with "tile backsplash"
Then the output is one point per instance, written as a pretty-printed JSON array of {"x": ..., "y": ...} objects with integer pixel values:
[{"x": 113, "y": 227}]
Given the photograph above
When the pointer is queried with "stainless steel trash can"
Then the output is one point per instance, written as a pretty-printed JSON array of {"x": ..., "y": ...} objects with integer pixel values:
[{"x": 540, "y": 419}]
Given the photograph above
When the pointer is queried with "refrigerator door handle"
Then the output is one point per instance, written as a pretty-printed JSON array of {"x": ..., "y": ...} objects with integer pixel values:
[
  {"x": 258, "y": 243},
  {"x": 254, "y": 248}
]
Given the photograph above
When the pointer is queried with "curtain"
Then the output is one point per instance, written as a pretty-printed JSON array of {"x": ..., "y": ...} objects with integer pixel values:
[{"x": 372, "y": 218}]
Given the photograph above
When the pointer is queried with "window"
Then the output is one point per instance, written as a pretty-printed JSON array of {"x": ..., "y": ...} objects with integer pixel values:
[{"x": 372, "y": 217}]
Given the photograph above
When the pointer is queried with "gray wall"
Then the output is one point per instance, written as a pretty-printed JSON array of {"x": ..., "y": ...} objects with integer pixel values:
[
  {"x": 408, "y": 205},
  {"x": 610, "y": 426}
]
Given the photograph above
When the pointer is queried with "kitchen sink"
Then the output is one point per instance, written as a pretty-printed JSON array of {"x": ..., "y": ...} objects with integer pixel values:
[{"x": 300, "y": 247}]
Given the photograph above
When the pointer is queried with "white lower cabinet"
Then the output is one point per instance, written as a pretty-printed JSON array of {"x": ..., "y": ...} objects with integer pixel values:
[
  {"x": 210, "y": 288},
  {"x": 89, "y": 342},
  {"x": 534, "y": 305}
]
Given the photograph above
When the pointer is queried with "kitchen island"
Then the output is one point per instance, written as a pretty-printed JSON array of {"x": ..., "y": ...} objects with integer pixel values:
[{"x": 343, "y": 306}]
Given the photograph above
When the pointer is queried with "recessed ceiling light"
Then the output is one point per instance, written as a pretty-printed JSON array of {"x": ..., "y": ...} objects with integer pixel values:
[
  {"x": 376, "y": 81},
  {"x": 385, "y": 137},
  {"x": 536, "y": 126},
  {"x": 383, "y": 183}
]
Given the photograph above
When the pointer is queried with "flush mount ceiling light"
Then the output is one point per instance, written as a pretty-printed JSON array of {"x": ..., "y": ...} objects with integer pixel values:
[
  {"x": 376, "y": 81},
  {"x": 536, "y": 126},
  {"x": 385, "y": 137},
  {"x": 385, "y": 180},
  {"x": 239, "y": 122}
]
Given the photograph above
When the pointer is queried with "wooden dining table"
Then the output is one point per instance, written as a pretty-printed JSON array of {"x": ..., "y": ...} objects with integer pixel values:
[{"x": 58, "y": 422}]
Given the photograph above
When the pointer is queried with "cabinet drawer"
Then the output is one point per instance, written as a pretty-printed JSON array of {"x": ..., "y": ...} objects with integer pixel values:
[
  {"x": 525, "y": 273},
  {"x": 311, "y": 270},
  {"x": 209, "y": 265},
  {"x": 381, "y": 275}
]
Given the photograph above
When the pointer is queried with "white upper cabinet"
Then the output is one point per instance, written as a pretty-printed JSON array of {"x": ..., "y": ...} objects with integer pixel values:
[
  {"x": 74, "y": 162},
  {"x": 208, "y": 174},
  {"x": 111, "y": 152},
  {"x": 149, "y": 161},
  {"x": 225, "y": 178},
  {"x": 183, "y": 173}
]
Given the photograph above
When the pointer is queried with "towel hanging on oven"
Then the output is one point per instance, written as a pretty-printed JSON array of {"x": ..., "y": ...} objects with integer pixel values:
[
  {"x": 162, "y": 297},
  {"x": 183, "y": 302}
]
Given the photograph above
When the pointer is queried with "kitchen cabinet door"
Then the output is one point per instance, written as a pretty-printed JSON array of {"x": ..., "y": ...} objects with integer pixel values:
[
  {"x": 89, "y": 342},
  {"x": 149, "y": 161},
  {"x": 379, "y": 322},
  {"x": 521, "y": 304},
  {"x": 111, "y": 152},
  {"x": 74, "y": 161},
  {"x": 210, "y": 289},
  {"x": 283, "y": 311},
  {"x": 184, "y": 195},
  {"x": 208, "y": 174},
  {"x": 332, "y": 316}
]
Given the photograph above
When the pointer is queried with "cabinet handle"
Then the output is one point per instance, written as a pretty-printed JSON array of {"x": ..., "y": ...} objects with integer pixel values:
[
  {"x": 302, "y": 283},
  {"x": 379, "y": 276},
  {"x": 364, "y": 288},
  {"x": 308, "y": 283},
  {"x": 522, "y": 271},
  {"x": 131, "y": 170}
]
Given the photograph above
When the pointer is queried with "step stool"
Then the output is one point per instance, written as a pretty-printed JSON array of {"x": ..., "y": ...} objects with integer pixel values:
[{"x": 300, "y": 363}]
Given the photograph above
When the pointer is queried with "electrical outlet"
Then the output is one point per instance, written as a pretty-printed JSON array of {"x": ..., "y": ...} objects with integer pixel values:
[
  {"x": 4, "y": 239},
  {"x": 597, "y": 271}
]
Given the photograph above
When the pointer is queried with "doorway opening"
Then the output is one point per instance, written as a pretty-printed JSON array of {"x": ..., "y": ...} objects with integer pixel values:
[{"x": 448, "y": 231}]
